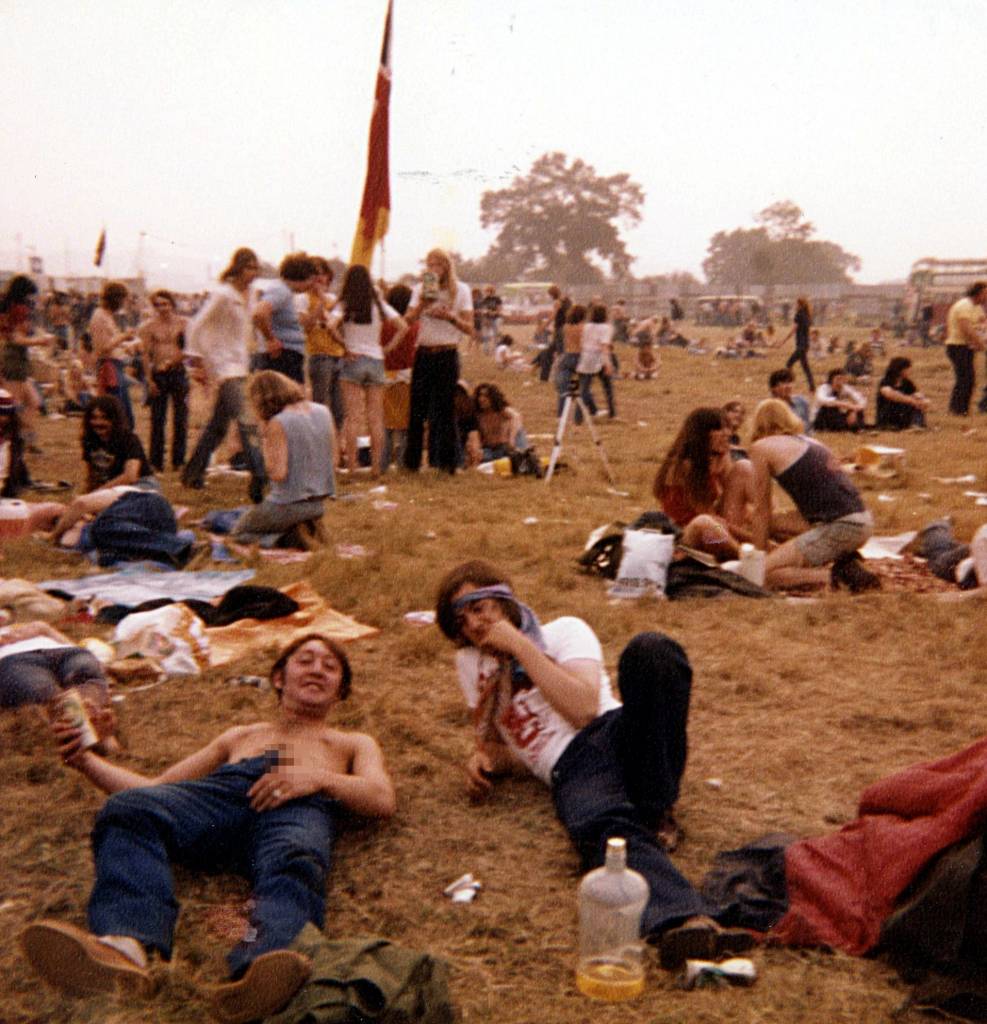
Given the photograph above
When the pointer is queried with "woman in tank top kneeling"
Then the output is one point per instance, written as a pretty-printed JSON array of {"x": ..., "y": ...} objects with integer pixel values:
[{"x": 831, "y": 521}]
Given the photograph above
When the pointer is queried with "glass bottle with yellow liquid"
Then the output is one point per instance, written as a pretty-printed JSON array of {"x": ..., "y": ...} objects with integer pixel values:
[{"x": 611, "y": 900}]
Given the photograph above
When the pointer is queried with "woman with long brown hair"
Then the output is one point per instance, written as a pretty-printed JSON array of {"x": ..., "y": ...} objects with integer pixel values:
[{"x": 702, "y": 489}]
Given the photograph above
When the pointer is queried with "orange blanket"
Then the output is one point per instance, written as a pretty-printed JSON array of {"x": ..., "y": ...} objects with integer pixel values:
[{"x": 314, "y": 615}]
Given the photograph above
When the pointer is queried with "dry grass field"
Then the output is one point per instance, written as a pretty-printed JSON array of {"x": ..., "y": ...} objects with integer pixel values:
[{"x": 797, "y": 705}]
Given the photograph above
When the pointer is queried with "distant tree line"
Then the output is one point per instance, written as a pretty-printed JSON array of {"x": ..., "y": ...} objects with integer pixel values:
[{"x": 562, "y": 222}]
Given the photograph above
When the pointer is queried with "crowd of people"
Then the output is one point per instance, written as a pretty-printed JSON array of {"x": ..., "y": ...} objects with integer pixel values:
[{"x": 302, "y": 372}]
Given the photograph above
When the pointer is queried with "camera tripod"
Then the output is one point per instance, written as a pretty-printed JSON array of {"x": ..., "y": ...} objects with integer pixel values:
[{"x": 572, "y": 401}]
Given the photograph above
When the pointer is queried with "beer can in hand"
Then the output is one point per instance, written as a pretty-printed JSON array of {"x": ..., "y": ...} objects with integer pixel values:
[{"x": 70, "y": 708}]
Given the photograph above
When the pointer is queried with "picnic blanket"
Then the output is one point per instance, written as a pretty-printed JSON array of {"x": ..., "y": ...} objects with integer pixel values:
[
  {"x": 314, "y": 615},
  {"x": 137, "y": 584}
]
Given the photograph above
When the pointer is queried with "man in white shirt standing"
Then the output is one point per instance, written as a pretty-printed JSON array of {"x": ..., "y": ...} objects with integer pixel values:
[{"x": 220, "y": 336}]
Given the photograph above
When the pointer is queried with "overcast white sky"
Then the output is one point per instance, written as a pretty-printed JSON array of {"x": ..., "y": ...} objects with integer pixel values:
[{"x": 209, "y": 124}]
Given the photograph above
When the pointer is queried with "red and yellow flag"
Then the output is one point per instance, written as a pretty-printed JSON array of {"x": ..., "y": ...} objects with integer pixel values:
[{"x": 375, "y": 209}]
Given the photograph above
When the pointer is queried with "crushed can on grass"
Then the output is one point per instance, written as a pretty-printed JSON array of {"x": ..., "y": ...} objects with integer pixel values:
[{"x": 738, "y": 971}]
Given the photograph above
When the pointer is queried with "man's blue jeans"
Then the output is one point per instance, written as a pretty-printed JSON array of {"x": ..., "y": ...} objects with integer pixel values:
[
  {"x": 622, "y": 771},
  {"x": 229, "y": 406},
  {"x": 205, "y": 824}
]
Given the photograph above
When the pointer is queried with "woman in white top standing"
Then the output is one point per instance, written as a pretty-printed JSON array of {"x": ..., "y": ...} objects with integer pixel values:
[
  {"x": 595, "y": 358},
  {"x": 358, "y": 318},
  {"x": 444, "y": 306}
]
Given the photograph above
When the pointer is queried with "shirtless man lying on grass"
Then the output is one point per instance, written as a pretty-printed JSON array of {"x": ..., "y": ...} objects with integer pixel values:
[{"x": 262, "y": 798}]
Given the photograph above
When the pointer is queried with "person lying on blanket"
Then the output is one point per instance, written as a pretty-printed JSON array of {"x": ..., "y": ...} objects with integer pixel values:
[{"x": 263, "y": 798}]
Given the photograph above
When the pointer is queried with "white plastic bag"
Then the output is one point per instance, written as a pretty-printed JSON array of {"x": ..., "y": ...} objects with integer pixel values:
[
  {"x": 174, "y": 636},
  {"x": 644, "y": 564}
]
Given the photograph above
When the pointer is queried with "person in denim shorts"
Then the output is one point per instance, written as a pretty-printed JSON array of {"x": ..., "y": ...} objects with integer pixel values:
[{"x": 358, "y": 318}]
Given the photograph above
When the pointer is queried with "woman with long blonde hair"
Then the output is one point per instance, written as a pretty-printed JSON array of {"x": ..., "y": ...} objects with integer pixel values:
[
  {"x": 443, "y": 306},
  {"x": 831, "y": 522}
]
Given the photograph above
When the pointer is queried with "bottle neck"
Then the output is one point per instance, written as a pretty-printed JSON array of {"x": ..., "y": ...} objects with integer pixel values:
[{"x": 616, "y": 855}]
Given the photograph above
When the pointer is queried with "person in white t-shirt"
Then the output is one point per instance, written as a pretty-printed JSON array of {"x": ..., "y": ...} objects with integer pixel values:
[
  {"x": 542, "y": 700},
  {"x": 358, "y": 318},
  {"x": 444, "y": 307}
]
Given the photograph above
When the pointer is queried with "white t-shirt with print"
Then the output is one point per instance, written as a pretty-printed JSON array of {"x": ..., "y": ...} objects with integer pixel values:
[{"x": 530, "y": 727}]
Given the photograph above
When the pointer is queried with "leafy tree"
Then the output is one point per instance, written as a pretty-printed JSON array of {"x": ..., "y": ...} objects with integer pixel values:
[
  {"x": 781, "y": 251},
  {"x": 560, "y": 221}
]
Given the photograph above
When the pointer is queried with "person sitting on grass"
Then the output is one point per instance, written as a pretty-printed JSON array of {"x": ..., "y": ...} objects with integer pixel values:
[
  {"x": 781, "y": 384},
  {"x": 112, "y": 452},
  {"x": 839, "y": 406},
  {"x": 115, "y": 463},
  {"x": 702, "y": 489},
  {"x": 542, "y": 702},
  {"x": 859, "y": 364},
  {"x": 499, "y": 429},
  {"x": 298, "y": 441},
  {"x": 831, "y": 521},
  {"x": 38, "y": 663},
  {"x": 900, "y": 404},
  {"x": 262, "y": 798}
]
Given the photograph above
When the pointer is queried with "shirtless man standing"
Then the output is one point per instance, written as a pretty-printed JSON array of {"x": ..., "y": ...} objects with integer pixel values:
[
  {"x": 162, "y": 339},
  {"x": 110, "y": 346},
  {"x": 262, "y": 797}
]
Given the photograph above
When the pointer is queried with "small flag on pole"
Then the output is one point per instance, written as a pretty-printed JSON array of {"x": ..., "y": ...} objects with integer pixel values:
[
  {"x": 100, "y": 249},
  {"x": 376, "y": 206}
]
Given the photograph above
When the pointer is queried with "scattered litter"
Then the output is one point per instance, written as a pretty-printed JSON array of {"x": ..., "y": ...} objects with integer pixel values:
[
  {"x": 879, "y": 460},
  {"x": 706, "y": 974},
  {"x": 924, "y": 495},
  {"x": 619, "y": 494},
  {"x": 642, "y": 423},
  {"x": 530, "y": 520},
  {"x": 714, "y": 783},
  {"x": 382, "y": 489},
  {"x": 463, "y": 890},
  {"x": 7, "y": 905},
  {"x": 974, "y": 494},
  {"x": 426, "y": 618},
  {"x": 431, "y": 535},
  {"x": 981, "y": 501},
  {"x": 886, "y": 497},
  {"x": 969, "y": 478},
  {"x": 258, "y": 682},
  {"x": 351, "y": 551},
  {"x": 969, "y": 431},
  {"x": 385, "y": 506},
  {"x": 888, "y": 547}
]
